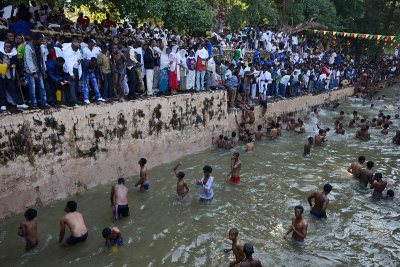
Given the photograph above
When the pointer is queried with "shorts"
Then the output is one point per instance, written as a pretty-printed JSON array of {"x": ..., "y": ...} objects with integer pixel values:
[
  {"x": 72, "y": 240},
  {"x": 246, "y": 88},
  {"x": 145, "y": 186},
  {"x": 120, "y": 210},
  {"x": 113, "y": 242},
  {"x": 300, "y": 244},
  {"x": 235, "y": 180},
  {"x": 375, "y": 197},
  {"x": 316, "y": 213}
]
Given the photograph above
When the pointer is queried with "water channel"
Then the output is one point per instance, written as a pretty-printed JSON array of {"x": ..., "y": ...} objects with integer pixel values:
[{"x": 164, "y": 231}]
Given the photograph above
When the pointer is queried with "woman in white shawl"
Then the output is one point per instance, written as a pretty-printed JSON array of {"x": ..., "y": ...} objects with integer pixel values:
[
  {"x": 164, "y": 64},
  {"x": 174, "y": 70},
  {"x": 183, "y": 69},
  {"x": 191, "y": 73}
]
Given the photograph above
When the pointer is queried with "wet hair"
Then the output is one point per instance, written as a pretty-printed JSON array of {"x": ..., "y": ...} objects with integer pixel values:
[
  {"x": 71, "y": 205},
  {"x": 390, "y": 193},
  {"x": 247, "y": 131},
  {"x": 378, "y": 175},
  {"x": 121, "y": 181},
  {"x": 251, "y": 108},
  {"x": 233, "y": 134},
  {"x": 106, "y": 232},
  {"x": 310, "y": 139},
  {"x": 249, "y": 140},
  {"x": 30, "y": 214},
  {"x": 207, "y": 169},
  {"x": 234, "y": 231},
  {"x": 248, "y": 250},
  {"x": 355, "y": 112},
  {"x": 226, "y": 138},
  {"x": 299, "y": 207},
  {"x": 221, "y": 136},
  {"x": 259, "y": 127},
  {"x": 370, "y": 164},
  {"x": 143, "y": 161},
  {"x": 342, "y": 112},
  {"x": 361, "y": 158},
  {"x": 236, "y": 154},
  {"x": 327, "y": 188},
  {"x": 321, "y": 131},
  {"x": 386, "y": 126},
  {"x": 388, "y": 117},
  {"x": 181, "y": 174},
  {"x": 362, "y": 120}
]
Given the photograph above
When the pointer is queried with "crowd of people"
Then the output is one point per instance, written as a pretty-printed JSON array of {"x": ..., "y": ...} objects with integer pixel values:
[{"x": 53, "y": 70}]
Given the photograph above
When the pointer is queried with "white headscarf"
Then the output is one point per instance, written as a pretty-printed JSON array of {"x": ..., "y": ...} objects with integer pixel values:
[
  {"x": 164, "y": 59},
  {"x": 202, "y": 53}
]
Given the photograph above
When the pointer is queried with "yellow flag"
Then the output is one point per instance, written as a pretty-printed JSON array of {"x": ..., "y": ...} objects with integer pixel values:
[
  {"x": 379, "y": 37},
  {"x": 324, "y": 32},
  {"x": 391, "y": 38},
  {"x": 334, "y": 33}
]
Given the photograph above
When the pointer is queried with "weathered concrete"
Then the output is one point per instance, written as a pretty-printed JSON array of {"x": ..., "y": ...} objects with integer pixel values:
[{"x": 51, "y": 154}]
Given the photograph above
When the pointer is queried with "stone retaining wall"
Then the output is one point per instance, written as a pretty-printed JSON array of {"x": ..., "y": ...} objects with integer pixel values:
[{"x": 50, "y": 154}]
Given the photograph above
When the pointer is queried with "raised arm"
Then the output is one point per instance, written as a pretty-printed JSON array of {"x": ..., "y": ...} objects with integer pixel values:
[{"x": 176, "y": 168}]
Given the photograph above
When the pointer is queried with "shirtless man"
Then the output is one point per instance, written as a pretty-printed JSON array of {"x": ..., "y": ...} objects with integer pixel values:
[
  {"x": 366, "y": 175},
  {"x": 291, "y": 125},
  {"x": 273, "y": 132},
  {"x": 28, "y": 229},
  {"x": 319, "y": 138},
  {"x": 220, "y": 141},
  {"x": 355, "y": 116},
  {"x": 249, "y": 145},
  {"x": 119, "y": 192},
  {"x": 233, "y": 140},
  {"x": 144, "y": 184},
  {"x": 242, "y": 129},
  {"x": 181, "y": 185},
  {"x": 237, "y": 247},
  {"x": 236, "y": 165},
  {"x": 396, "y": 138},
  {"x": 378, "y": 186},
  {"x": 259, "y": 134},
  {"x": 356, "y": 167},
  {"x": 299, "y": 227},
  {"x": 76, "y": 224},
  {"x": 113, "y": 237},
  {"x": 321, "y": 202},
  {"x": 385, "y": 129},
  {"x": 249, "y": 261},
  {"x": 339, "y": 129},
  {"x": 302, "y": 128},
  {"x": 246, "y": 86},
  {"x": 307, "y": 146},
  {"x": 118, "y": 61},
  {"x": 227, "y": 143},
  {"x": 341, "y": 116},
  {"x": 249, "y": 117}
]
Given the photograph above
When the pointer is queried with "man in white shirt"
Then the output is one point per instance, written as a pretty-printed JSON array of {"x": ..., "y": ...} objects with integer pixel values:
[
  {"x": 72, "y": 66},
  {"x": 91, "y": 50}
]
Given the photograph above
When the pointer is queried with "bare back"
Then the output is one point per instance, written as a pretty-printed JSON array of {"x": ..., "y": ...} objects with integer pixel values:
[
  {"x": 121, "y": 194},
  {"x": 75, "y": 222}
]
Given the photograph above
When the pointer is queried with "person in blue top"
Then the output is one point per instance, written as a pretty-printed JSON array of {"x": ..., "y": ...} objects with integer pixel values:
[
  {"x": 206, "y": 182},
  {"x": 207, "y": 44},
  {"x": 55, "y": 73},
  {"x": 90, "y": 72}
]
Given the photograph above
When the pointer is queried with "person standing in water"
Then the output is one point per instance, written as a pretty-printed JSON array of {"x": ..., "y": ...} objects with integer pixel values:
[
  {"x": 237, "y": 247},
  {"x": 76, "y": 224},
  {"x": 249, "y": 145},
  {"x": 113, "y": 237},
  {"x": 181, "y": 185},
  {"x": 356, "y": 167},
  {"x": 120, "y": 205},
  {"x": 206, "y": 182},
  {"x": 144, "y": 184},
  {"x": 379, "y": 186},
  {"x": 236, "y": 165},
  {"x": 321, "y": 202},
  {"x": 249, "y": 261},
  {"x": 307, "y": 146},
  {"x": 299, "y": 227},
  {"x": 366, "y": 176},
  {"x": 28, "y": 229}
]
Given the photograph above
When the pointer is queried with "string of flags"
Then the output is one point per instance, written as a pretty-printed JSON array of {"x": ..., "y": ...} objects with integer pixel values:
[{"x": 386, "y": 39}]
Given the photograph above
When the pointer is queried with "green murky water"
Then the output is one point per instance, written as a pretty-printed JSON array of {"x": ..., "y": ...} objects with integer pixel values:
[{"x": 164, "y": 232}]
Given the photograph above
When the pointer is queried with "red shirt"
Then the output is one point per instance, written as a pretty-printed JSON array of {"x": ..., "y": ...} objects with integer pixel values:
[{"x": 200, "y": 67}]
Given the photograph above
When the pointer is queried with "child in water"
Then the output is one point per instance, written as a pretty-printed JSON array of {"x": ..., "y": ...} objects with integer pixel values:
[{"x": 28, "y": 229}]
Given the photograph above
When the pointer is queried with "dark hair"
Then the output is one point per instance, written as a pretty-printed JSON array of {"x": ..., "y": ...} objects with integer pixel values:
[
  {"x": 378, "y": 175},
  {"x": 299, "y": 207},
  {"x": 37, "y": 36},
  {"x": 259, "y": 127},
  {"x": 30, "y": 214},
  {"x": 248, "y": 249},
  {"x": 233, "y": 134},
  {"x": 93, "y": 59},
  {"x": 236, "y": 154},
  {"x": 390, "y": 193},
  {"x": 327, "y": 188},
  {"x": 143, "y": 161},
  {"x": 386, "y": 126},
  {"x": 226, "y": 138},
  {"x": 207, "y": 169},
  {"x": 71, "y": 205},
  {"x": 221, "y": 136},
  {"x": 121, "y": 181},
  {"x": 181, "y": 174},
  {"x": 342, "y": 112},
  {"x": 361, "y": 158},
  {"x": 310, "y": 139},
  {"x": 106, "y": 232},
  {"x": 60, "y": 59},
  {"x": 321, "y": 131},
  {"x": 370, "y": 164},
  {"x": 103, "y": 46},
  {"x": 234, "y": 231}
]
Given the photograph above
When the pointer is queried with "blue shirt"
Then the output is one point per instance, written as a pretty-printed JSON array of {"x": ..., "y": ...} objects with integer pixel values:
[
  {"x": 209, "y": 48},
  {"x": 52, "y": 71}
]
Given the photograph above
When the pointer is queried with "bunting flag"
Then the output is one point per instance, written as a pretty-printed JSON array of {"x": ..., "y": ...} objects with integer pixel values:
[{"x": 387, "y": 39}]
